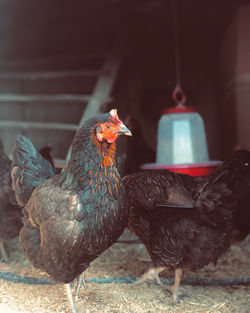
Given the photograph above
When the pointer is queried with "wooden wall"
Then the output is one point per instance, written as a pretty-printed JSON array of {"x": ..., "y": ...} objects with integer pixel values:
[{"x": 235, "y": 61}]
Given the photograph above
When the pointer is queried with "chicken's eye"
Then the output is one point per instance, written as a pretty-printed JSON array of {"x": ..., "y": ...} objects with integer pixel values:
[{"x": 107, "y": 126}]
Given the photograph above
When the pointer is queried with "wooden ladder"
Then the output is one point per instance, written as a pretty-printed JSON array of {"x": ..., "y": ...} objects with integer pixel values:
[{"x": 92, "y": 104}]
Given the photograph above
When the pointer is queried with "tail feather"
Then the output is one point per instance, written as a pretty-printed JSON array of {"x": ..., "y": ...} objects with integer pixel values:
[
  {"x": 221, "y": 192},
  {"x": 233, "y": 172},
  {"x": 28, "y": 169}
]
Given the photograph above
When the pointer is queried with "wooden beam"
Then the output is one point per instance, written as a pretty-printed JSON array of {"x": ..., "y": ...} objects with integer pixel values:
[
  {"x": 43, "y": 97},
  {"x": 39, "y": 75},
  {"x": 60, "y": 163},
  {"x": 40, "y": 125},
  {"x": 51, "y": 61}
]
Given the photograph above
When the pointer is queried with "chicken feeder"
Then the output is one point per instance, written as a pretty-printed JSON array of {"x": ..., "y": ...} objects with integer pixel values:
[{"x": 182, "y": 144}]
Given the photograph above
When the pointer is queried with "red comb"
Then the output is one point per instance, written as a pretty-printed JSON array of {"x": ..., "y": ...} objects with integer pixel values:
[{"x": 114, "y": 114}]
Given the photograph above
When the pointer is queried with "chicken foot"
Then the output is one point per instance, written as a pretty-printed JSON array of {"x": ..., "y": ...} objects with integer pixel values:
[
  {"x": 153, "y": 274},
  {"x": 150, "y": 275},
  {"x": 80, "y": 282},
  {"x": 3, "y": 252}
]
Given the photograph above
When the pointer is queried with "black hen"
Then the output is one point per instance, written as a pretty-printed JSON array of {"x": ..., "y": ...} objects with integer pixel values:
[
  {"x": 185, "y": 221},
  {"x": 72, "y": 217},
  {"x": 10, "y": 213}
]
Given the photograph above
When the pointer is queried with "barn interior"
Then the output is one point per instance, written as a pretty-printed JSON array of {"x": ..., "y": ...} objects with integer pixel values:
[{"x": 100, "y": 54}]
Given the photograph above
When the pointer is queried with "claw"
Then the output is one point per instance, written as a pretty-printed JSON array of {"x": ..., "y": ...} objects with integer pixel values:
[
  {"x": 151, "y": 275},
  {"x": 80, "y": 282}
]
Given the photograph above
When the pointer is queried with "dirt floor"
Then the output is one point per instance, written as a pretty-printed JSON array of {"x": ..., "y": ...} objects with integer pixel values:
[{"x": 129, "y": 261}]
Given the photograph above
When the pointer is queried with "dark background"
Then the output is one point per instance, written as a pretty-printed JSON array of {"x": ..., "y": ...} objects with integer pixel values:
[{"x": 55, "y": 35}]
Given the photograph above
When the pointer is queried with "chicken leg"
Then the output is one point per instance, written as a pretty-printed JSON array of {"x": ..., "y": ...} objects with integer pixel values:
[
  {"x": 177, "y": 281},
  {"x": 70, "y": 297},
  {"x": 150, "y": 275},
  {"x": 80, "y": 281}
]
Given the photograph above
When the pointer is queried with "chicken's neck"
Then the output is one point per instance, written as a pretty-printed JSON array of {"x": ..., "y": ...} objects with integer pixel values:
[{"x": 89, "y": 157}]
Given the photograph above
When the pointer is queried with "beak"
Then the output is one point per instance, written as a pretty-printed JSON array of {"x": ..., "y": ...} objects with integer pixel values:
[{"x": 123, "y": 130}]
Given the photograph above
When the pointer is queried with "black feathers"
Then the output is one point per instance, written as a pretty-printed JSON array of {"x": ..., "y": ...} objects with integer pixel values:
[
  {"x": 28, "y": 169},
  {"x": 197, "y": 230},
  {"x": 72, "y": 217},
  {"x": 10, "y": 213}
]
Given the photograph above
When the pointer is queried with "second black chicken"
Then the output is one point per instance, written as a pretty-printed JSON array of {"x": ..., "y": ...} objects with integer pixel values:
[
  {"x": 185, "y": 222},
  {"x": 10, "y": 212}
]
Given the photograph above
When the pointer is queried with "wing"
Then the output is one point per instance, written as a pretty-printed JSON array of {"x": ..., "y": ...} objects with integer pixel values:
[
  {"x": 50, "y": 226},
  {"x": 56, "y": 236},
  {"x": 28, "y": 169},
  {"x": 158, "y": 188}
]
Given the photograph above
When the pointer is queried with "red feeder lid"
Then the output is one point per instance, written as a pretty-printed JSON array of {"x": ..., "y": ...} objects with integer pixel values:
[{"x": 179, "y": 109}]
